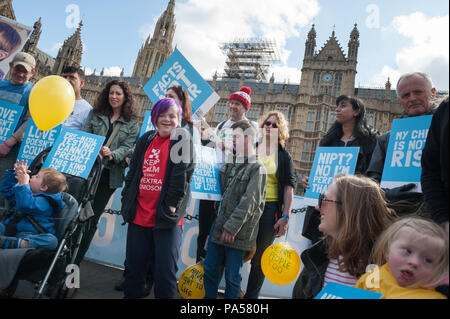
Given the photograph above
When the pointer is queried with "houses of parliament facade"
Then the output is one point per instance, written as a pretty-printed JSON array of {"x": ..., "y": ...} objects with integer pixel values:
[{"x": 308, "y": 106}]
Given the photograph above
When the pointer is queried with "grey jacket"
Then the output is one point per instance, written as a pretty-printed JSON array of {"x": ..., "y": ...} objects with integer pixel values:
[
  {"x": 242, "y": 204},
  {"x": 120, "y": 146}
]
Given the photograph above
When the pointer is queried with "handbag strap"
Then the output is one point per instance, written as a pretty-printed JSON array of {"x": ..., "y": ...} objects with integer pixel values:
[{"x": 113, "y": 134}]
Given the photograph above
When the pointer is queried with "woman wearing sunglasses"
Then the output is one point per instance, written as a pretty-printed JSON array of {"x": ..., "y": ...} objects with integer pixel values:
[
  {"x": 349, "y": 129},
  {"x": 353, "y": 213},
  {"x": 279, "y": 192}
]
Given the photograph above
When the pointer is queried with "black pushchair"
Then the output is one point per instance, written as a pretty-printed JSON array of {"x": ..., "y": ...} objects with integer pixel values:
[{"x": 47, "y": 268}]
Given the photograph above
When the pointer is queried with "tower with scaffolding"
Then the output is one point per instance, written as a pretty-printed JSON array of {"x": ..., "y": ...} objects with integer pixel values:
[{"x": 249, "y": 58}]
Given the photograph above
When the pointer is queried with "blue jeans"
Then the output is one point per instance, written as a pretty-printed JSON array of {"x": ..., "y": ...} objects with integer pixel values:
[
  {"x": 46, "y": 241},
  {"x": 216, "y": 255}
]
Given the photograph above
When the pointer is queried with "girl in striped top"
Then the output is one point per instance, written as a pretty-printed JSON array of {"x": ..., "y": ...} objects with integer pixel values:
[{"x": 353, "y": 213}]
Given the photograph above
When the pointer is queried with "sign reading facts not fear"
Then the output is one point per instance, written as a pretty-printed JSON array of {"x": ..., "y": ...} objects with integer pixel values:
[{"x": 177, "y": 70}]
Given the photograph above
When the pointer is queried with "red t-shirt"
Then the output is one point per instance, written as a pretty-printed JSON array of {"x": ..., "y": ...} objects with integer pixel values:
[{"x": 154, "y": 170}]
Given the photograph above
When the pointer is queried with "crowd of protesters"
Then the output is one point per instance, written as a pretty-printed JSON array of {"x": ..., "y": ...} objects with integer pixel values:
[{"x": 355, "y": 223}]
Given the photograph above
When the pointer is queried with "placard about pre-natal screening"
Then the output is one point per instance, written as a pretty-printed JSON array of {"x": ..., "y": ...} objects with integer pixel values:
[
  {"x": 177, "y": 70},
  {"x": 329, "y": 161},
  {"x": 9, "y": 118},
  {"x": 406, "y": 142},
  {"x": 205, "y": 180},
  {"x": 35, "y": 141},
  {"x": 74, "y": 152}
]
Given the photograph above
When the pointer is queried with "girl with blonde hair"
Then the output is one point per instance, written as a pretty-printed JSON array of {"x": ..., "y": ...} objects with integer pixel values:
[{"x": 412, "y": 255}]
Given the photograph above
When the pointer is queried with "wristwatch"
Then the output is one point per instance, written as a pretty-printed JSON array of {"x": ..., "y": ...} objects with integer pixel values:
[{"x": 285, "y": 217}]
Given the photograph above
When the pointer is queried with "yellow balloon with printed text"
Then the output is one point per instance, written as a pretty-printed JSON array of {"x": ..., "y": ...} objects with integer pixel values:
[
  {"x": 51, "y": 101},
  {"x": 280, "y": 264},
  {"x": 190, "y": 284}
]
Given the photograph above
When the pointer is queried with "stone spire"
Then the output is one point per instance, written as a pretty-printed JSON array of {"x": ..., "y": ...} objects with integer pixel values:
[
  {"x": 387, "y": 90},
  {"x": 70, "y": 53},
  {"x": 157, "y": 48},
  {"x": 31, "y": 44},
  {"x": 310, "y": 44},
  {"x": 353, "y": 44}
]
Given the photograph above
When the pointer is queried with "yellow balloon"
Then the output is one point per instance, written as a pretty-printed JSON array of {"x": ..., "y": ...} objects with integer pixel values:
[
  {"x": 190, "y": 284},
  {"x": 51, "y": 101},
  {"x": 280, "y": 264}
]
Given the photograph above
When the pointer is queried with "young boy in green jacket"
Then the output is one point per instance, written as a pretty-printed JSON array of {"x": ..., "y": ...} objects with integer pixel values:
[{"x": 243, "y": 185}]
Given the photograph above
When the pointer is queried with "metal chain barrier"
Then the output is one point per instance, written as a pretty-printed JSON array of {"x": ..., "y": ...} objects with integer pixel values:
[{"x": 190, "y": 217}]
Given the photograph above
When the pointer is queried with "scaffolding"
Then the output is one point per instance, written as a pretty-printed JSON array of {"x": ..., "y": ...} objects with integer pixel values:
[{"x": 249, "y": 58}]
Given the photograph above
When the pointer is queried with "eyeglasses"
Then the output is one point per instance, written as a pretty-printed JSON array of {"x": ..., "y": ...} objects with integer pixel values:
[
  {"x": 323, "y": 199},
  {"x": 268, "y": 123}
]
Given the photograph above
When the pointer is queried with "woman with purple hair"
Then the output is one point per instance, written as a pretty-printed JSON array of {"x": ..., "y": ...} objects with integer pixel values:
[{"x": 154, "y": 200}]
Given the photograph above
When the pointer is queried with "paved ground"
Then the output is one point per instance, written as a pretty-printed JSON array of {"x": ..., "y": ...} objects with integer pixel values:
[{"x": 96, "y": 282}]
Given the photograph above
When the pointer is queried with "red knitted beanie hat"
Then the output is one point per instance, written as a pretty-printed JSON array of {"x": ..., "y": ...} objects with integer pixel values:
[{"x": 243, "y": 96}]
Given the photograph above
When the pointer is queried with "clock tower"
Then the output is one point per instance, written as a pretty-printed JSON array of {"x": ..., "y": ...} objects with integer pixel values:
[{"x": 329, "y": 71}]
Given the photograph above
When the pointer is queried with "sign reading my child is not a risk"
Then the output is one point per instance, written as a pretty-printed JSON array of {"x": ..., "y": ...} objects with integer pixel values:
[
  {"x": 35, "y": 141},
  {"x": 406, "y": 142},
  {"x": 178, "y": 71},
  {"x": 9, "y": 118},
  {"x": 205, "y": 180},
  {"x": 329, "y": 161},
  {"x": 74, "y": 152}
]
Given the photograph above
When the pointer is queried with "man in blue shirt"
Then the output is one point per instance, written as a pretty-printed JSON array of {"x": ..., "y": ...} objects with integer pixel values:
[{"x": 17, "y": 91}]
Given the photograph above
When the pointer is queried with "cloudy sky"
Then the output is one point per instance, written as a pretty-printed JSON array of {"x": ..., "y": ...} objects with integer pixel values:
[{"x": 395, "y": 36}]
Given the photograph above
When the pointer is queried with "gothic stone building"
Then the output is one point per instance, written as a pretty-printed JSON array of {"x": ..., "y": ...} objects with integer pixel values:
[{"x": 308, "y": 106}]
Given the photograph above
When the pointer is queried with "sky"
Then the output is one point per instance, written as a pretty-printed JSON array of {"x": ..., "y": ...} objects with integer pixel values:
[{"x": 395, "y": 36}]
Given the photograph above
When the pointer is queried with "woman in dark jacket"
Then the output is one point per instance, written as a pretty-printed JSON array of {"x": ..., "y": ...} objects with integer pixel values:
[
  {"x": 353, "y": 213},
  {"x": 154, "y": 200},
  {"x": 279, "y": 192},
  {"x": 349, "y": 129}
]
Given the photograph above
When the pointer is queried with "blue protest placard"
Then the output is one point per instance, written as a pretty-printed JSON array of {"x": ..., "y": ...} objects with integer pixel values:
[
  {"x": 329, "y": 161},
  {"x": 9, "y": 117},
  {"x": 35, "y": 141},
  {"x": 406, "y": 142},
  {"x": 74, "y": 152},
  {"x": 337, "y": 291},
  {"x": 205, "y": 180},
  {"x": 177, "y": 70},
  {"x": 147, "y": 124}
]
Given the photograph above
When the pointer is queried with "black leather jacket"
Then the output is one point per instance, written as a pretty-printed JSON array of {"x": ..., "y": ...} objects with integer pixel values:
[{"x": 310, "y": 281}]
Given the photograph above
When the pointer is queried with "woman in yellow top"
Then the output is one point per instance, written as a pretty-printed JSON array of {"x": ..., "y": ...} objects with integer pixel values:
[
  {"x": 414, "y": 254},
  {"x": 281, "y": 181}
]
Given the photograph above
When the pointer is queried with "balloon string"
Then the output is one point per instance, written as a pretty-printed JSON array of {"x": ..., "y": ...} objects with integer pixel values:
[{"x": 286, "y": 236}]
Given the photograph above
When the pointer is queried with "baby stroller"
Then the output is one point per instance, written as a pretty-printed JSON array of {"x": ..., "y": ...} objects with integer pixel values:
[{"x": 48, "y": 268}]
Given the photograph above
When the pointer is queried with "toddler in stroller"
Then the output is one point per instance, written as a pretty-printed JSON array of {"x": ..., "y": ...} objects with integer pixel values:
[
  {"x": 42, "y": 266},
  {"x": 32, "y": 202}
]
